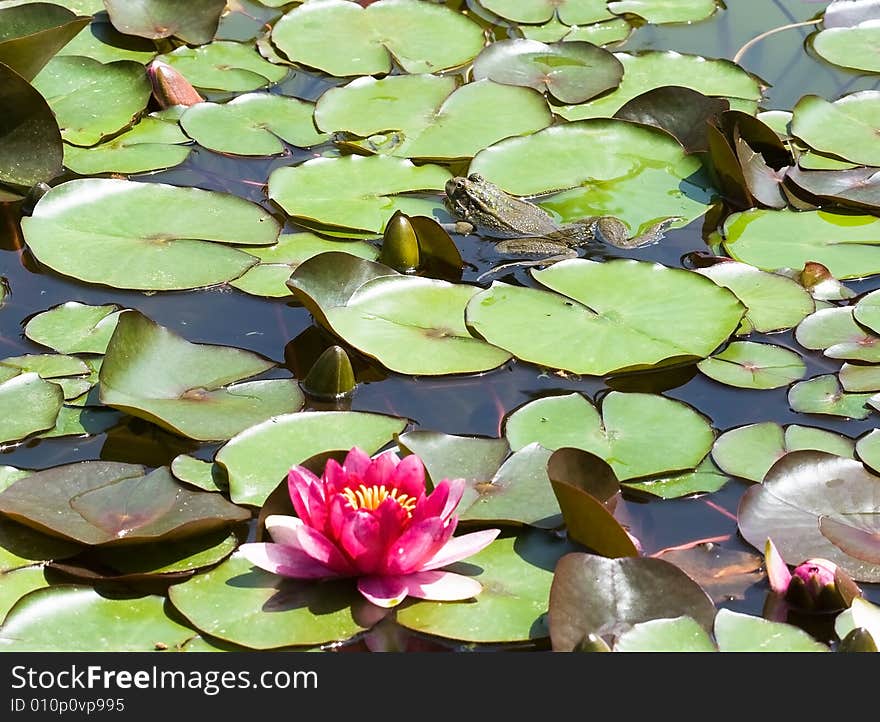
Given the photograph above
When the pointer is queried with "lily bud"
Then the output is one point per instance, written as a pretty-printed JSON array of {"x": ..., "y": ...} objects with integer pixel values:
[
  {"x": 815, "y": 585},
  {"x": 170, "y": 87}
]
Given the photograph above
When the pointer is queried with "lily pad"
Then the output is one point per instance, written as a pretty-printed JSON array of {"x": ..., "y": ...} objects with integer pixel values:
[
  {"x": 704, "y": 479},
  {"x": 606, "y": 597},
  {"x": 773, "y": 302},
  {"x": 420, "y": 37},
  {"x": 78, "y": 421},
  {"x": 224, "y": 65},
  {"x": 280, "y": 260},
  {"x": 860, "y": 614},
  {"x": 844, "y": 14},
  {"x": 74, "y": 327},
  {"x": 749, "y": 451},
  {"x": 771, "y": 239},
  {"x": 606, "y": 32},
  {"x": 92, "y": 100},
  {"x": 21, "y": 546},
  {"x": 856, "y": 188},
  {"x": 195, "y": 22},
  {"x": 203, "y": 474},
  {"x": 855, "y": 377},
  {"x": 655, "y": 68},
  {"x": 867, "y": 311},
  {"x": 252, "y": 124},
  {"x": 30, "y": 141},
  {"x": 638, "y": 174},
  {"x": 73, "y": 618},
  {"x": 823, "y": 395},
  {"x": 83, "y": 227},
  {"x": 678, "y": 634},
  {"x": 411, "y": 325},
  {"x": 850, "y": 47},
  {"x": 657, "y": 12},
  {"x": 835, "y": 331},
  {"x": 637, "y": 434},
  {"x": 356, "y": 192},
  {"x": 37, "y": 403},
  {"x": 103, "y": 502},
  {"x": 427, "y": 116},
  {"x": 174, "y": 557},
  {"x": 9, "y": 475},
  {"x": 803, "y": 490},
  {"x": 471, "y": 458},
  {"x": 606, "y": 317},
  {"x": 187, "y": 388},
  {"x": 100, "y": 41},
  {"x": 846, "y": 128},
  {"x": 239, "y": 603},
  {"x": 153, "y": 143},
  {"x": 516, "y": 573},
  {"x": 31, "y": 34},
  {"x": 751, "y": 365},
  {"x": 17, "y": 583},
  {"x": 571, "y": 72},
  {"x": 570, "y": 12},
  {"x": 258, "y": 459}
]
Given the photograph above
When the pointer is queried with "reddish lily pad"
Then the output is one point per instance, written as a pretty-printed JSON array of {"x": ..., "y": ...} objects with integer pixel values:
[
  {"x": 194, "y": 22},
  {"x": 187, "y": 388},
  {"x": 801, "y": 491},
  {"x": 571, "y": 72},
  {"x": 856, "y": 187},
  {"x": 97, "y": 502},
  {"x": 606, "y": 597}
]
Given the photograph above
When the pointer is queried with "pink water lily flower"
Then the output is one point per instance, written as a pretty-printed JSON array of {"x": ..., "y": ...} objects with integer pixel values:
[{"x": 372, "y": 519}]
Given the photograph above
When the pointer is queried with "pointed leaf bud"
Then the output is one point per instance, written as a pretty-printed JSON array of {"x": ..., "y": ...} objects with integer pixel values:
[
  {"x": 170, "y": 87},
  {"x": 400, "y": 244},
  {"x": 331, "y": 376}
]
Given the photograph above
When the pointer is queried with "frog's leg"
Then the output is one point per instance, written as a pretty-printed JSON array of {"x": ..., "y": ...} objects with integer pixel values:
[
  {"x": 536, "y": 246},
  {"x": 615, "y": 232},
  {"x": 463, "y": 228}
]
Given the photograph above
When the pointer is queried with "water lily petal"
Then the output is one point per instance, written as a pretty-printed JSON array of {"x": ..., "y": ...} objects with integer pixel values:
[
  {"x": 300, "y": 483},
  {"x": 442, "y": 501},
  {"x": 322, "y": 550},
  {"x": 442, "y": 586},
  {"x": 381, "y": 471},
  {"x": 286, "y": 561},
  {"x": 356, "y": 463},
  {"x": 417, "y": 543},
  {"x": 777, "y": 570},
  {"x": 361, "y": 540},
  {"x": 460, "y": 547},
  {"x": 282, "y": 529},
  {"x": 383, "y": 591},
  {"x": 409, "y": 476},
  {"x": 335, "y": 478}
]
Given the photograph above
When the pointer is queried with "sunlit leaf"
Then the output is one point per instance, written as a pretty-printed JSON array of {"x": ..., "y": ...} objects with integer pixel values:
[{"x": 195, "y": 22}]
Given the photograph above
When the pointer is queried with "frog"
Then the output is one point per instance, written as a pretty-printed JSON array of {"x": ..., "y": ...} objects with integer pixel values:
[{"x": 521, "y": 226}]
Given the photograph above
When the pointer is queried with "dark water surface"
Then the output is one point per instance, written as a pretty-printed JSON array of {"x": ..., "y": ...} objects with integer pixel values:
[{"x": 283, "y": 331}]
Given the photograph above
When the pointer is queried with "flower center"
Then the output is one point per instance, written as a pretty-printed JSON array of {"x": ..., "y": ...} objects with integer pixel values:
[{"x": 369, "y": 498}]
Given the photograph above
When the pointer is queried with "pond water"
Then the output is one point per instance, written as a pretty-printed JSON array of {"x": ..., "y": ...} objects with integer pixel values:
[{"x": 468, "y": 404}]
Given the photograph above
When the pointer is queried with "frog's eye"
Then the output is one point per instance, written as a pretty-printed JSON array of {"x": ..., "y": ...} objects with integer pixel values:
[
  {"x": 460, "y": 183},
  {"x": 475, "y": 178}
]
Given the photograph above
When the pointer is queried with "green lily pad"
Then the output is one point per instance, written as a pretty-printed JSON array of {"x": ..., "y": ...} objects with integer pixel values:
[
  {"x": 704, "y": 479},
  {"x": 239, "y": 603},
  {"x": 427, "y": 116},
  {"x": 252, "y": 124},
  {"x": 77, "y": 421},
  {"x": 607, "y": 32},
  {"x": 9, "y": 475},
  {"x": 411, "y": 325},
  {"x": 860, "y": 614},
  {"x": 154, "y": 142},
  {"x": 420, "y": 37},
  {"x": 224, "y": 65},
  {"x": 98, "y": 502},
  {"x": 30, "y": 141},
  {"x": 835, "y": 331},
  {"x": 570, "y": 12},
  {"x": 679, "y": 634},
  {"x": 471, "y": 458},
  {"x": 21, "y": 546},
  {"x": 83, "y": 227},
  {"x": 613, "y": 316},
  {"x": 796, "y": 499},
  {"x": 868, "y": 449},
  {"x": 258, "y": 459},
  {"x": 18, "y": 582},
  {"x": 100, "y": 41},
  {"x": 280, "y": 260},
  {"x": 49, "y": 366},
  {"x": 751, "y": 365},
  {"x": 850, "y": 47},
  {"x": 356, "y": 192},
  {"x": 639, "y": 174},
  {"x": 31, "y": 34},
  {"x": 774, "y": 239},
  {"x": 73, "y": 618},
  {"x": 189, "y": 389},
  {"x": 195, "y": 22},
  {"x": 749, "y": 451},
  {"x": 773, "y": 302},
  {"x": 37, "y": 403},
  {"x": 174, "y": 557},
  {"x": 203, "y": 474},
  {"x": 637, "y": 434},
  {"x": 571, "y": 72},
  {"x": 666, "y": 11},
  {"x": 74, "y": 327},
  {"x": 855, "y": 377},
  {"x": 655, "y": 68},
  {"x": 823, "y": 395},
  {"x": 856, "y": 187},
  {"x": 606, "y": 597},
  {"x": 92, "y": 100},
  {"x": 516, "y": 573},
  {"x": 867, "y": 311},
  {"x": 846, "y": 128}
]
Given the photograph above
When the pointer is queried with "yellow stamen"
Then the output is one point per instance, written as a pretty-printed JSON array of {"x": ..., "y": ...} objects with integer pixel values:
[{"x": 369, "y": 498}]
